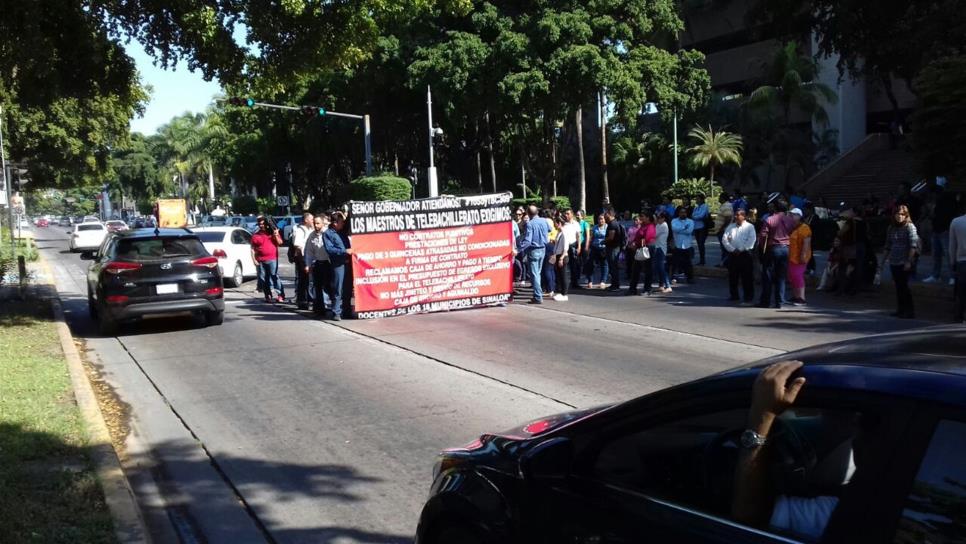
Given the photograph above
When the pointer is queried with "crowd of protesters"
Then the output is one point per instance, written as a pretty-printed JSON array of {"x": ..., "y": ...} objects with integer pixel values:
[
  {"x": 767, "y": 242},
  {"x": 320, "y": 249}
]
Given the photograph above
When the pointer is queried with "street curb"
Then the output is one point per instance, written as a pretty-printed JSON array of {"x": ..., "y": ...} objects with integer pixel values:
[{"x": 129, "y": 526}]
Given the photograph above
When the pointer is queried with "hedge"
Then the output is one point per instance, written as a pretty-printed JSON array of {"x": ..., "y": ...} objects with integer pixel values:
[
  {"x": 384, "y": 187},
  {"x": 559, "y": 202}
]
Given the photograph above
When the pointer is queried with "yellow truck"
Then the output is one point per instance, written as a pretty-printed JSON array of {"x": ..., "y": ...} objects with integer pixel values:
[{"x": 172, "y": 213}]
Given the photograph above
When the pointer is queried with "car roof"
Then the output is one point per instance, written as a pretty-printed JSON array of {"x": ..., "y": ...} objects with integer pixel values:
[
  {"x": 939, "y": 349},
  {"x": 221, "y": 228},
  {"x": 89, "y": 223},
  {"x": 152, "y": 233}
]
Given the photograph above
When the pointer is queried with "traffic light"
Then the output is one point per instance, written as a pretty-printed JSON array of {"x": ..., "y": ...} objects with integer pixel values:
[
  {"x": 313, "y": 111},
  {"x": 239, "y": 101}
]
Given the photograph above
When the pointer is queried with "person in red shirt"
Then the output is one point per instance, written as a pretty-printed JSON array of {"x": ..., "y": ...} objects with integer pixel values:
[{"x": 265, "y": 244}]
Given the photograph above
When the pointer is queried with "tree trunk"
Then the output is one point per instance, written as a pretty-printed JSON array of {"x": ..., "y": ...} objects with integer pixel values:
[
  {"x": 582, "y": 174},
  {"x": 211, "y": 181},
  {"x": 886, "y": 81},
  {"x": 605, "y": 187},
  {"x": 712, "y": 172},
  {"x": 479, "y": 171},
  {"x": 489, "y": 141}
]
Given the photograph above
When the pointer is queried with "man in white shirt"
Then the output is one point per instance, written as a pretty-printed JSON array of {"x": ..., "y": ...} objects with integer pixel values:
[
  {"x": 739, "y": 241},
  {"x": 303, "y": 293}
]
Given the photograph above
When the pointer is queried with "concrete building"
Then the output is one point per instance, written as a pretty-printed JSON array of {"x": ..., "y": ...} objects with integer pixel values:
[{"x": 737, "y": 50}]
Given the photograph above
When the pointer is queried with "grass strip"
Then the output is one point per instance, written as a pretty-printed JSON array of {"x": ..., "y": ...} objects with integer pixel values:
[{"x": 48, "y": 489}]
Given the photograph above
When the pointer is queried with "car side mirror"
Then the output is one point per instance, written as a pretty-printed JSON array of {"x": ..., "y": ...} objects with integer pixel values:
[
  {"x": 551, "y": 459},
  {"x": 87, "y": 256}
]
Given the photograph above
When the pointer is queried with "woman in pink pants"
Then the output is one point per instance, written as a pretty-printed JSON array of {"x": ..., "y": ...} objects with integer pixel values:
[{"x": 799, "y": 253}]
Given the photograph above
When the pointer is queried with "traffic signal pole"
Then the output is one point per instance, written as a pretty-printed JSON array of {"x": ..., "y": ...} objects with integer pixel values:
[{"x": 326, "y": 113}]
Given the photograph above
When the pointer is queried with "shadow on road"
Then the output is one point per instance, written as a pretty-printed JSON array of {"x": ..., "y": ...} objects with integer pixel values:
[{"x": 183, "y": 474}]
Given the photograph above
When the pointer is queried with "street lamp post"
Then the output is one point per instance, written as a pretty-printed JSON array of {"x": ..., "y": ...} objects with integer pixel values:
[{"x": 431, "y": 173}]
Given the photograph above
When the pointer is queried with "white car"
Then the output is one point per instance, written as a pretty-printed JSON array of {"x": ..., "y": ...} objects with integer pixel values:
[
  {"x": 233, "y": 247},
  {"x": 86, "y": 236}
]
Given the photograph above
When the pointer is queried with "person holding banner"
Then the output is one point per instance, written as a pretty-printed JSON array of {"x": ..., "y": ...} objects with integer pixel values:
[
  {"x": 534, "y": 245},
  {"x": 338, "y": 248},
  {"x": 317, "y": 264}
]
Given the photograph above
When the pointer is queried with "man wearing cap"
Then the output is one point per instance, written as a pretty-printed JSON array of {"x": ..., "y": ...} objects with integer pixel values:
[{"x": 773, "y": 241}]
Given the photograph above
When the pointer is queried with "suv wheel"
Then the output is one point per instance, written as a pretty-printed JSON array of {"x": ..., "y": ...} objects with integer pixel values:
[
  {"x": 106, "y": 326},
  {"x": 215, "y": 318},
  {"x": 458, "y": 534},
  {"x": 237, "y": 277},
  {"x": 91, "y": 307}
]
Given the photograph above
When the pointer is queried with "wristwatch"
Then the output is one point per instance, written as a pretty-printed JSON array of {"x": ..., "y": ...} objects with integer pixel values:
[{"x": 751, "y": 440}]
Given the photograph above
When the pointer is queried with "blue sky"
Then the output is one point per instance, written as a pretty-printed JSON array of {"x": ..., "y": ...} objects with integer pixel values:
[{"x": 174, "y": 92}]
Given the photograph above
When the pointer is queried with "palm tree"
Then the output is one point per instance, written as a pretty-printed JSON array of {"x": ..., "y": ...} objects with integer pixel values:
[
  {"x": 789, "y": 83},
  {"x": 714, "y": 149}
]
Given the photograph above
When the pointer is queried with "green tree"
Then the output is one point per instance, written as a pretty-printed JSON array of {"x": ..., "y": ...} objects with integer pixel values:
[
  {"x": 790, "y": 84},
  {"x": 939, "y": 124},
  {"x": 713, "y": 149},
  {"x": 878, "y": 41}
]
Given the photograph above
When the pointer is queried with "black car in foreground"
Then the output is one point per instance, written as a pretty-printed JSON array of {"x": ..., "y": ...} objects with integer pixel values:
[
  {"x": 152, "y": 272},
  {"x": 872, "y": 450}
]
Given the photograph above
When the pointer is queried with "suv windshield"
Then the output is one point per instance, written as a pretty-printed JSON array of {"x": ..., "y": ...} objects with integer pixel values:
[{"x": 146, "y": 249}]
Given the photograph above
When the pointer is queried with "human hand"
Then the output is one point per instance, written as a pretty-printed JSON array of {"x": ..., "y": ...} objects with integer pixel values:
[{"x": 773, "y": 393}]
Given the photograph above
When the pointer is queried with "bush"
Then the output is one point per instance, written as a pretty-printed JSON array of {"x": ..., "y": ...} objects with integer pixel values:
[
  {"x": 560, "y": 202},
  {"x": 381, "y": 187},
  {"x": 244, "y": 205}
]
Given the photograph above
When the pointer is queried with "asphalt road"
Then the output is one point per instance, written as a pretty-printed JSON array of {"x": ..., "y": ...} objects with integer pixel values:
[{"x": 278, "y": 427}]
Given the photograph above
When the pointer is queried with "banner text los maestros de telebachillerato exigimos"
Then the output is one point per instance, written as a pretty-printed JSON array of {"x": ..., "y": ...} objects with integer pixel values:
[{"x": 431, "y": 255}]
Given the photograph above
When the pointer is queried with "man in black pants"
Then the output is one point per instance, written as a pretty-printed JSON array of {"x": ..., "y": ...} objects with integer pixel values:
[{"x": 739, "y": 240}]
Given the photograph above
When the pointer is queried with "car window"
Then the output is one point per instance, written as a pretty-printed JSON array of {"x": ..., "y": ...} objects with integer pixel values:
[
  {"x": 691, "y": 462},
  {"x": 89, "y": 227},
  {"x": 146, "y": 249},
  {"x": 935, "y": 510},
  {"x": 241, "y": 237},
  {"x": 211, "y": 236}
]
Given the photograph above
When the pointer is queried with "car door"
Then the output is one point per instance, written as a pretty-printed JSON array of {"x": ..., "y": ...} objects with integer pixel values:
[
  {"x": 929, "y": 500},
  {"x": 667, "y": 474},
  {"x": 241, "y": 244}
]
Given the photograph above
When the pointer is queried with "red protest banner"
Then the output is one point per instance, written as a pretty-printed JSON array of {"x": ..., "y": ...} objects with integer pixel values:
[{"x": 460, "y": 258}]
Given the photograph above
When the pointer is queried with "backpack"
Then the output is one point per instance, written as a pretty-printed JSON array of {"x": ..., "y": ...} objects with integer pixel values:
[{"x": 291, "y": 247}]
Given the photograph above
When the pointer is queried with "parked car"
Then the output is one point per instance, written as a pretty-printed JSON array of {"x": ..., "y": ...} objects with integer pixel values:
[
  {"x": 143, "y": 273},
  {"x": 115, "y": 225},
  {"x": 43, "y": 222},
  {"x": 247, "y": 222},
  {"x": 23, "y": 223},
  {"x": 64, "y": 222},
  {"x": 232, "y": 246},
  {"x": 214, "y": 221},
  {"x": 86, "y": 236},
  {"x": 287, "y": 224},
  {"x": 873, "y": 445}
]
